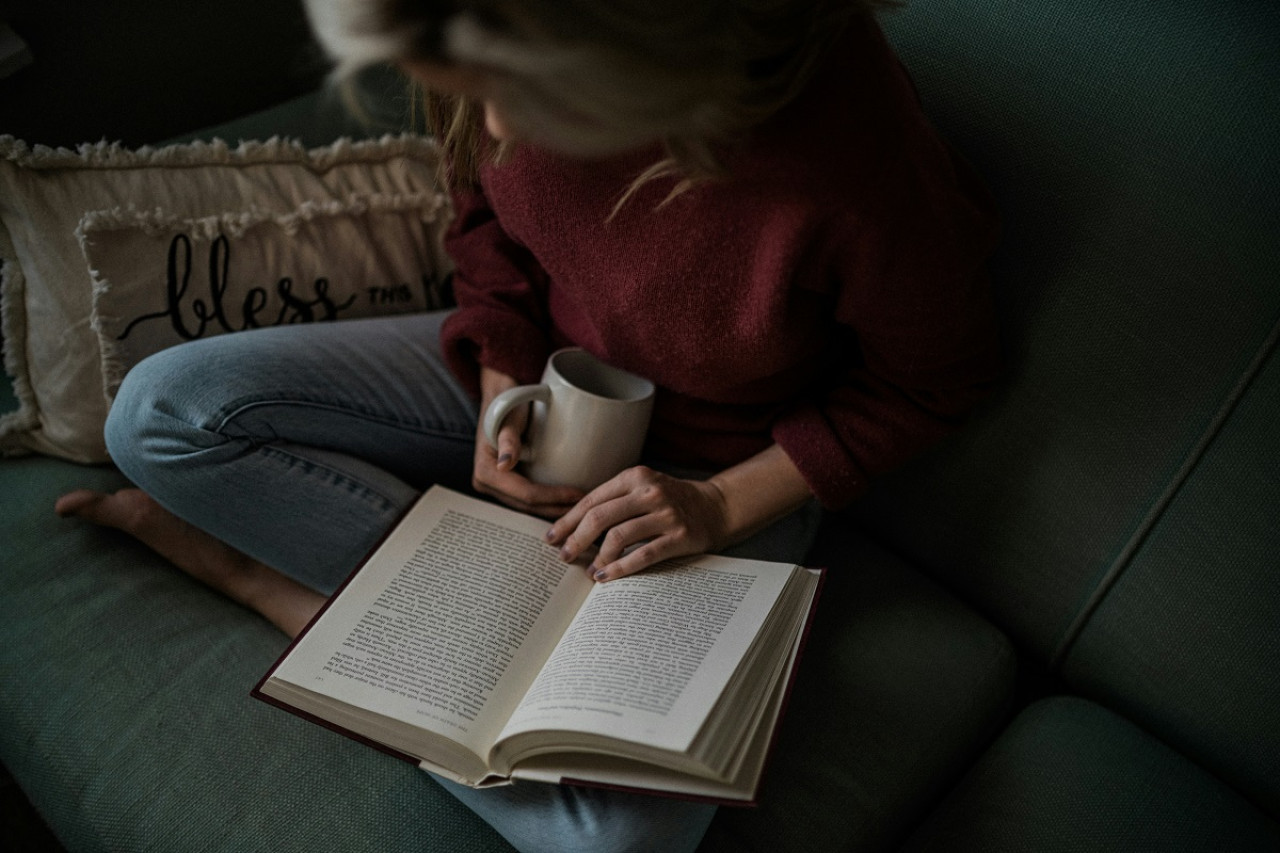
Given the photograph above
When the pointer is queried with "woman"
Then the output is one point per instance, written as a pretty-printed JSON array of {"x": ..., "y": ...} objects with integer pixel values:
[{"x": 740, "y": 201}]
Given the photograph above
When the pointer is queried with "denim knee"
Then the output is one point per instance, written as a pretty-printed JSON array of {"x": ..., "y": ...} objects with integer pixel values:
[
  {"x": 539, "y": 818},
  {"x": 125, "y": 420},
  {"x": 143, "y": 425}
]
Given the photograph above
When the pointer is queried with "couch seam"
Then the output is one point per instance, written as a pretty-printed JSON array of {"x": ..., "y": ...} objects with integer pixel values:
[{"x": 1161, "y": 505}]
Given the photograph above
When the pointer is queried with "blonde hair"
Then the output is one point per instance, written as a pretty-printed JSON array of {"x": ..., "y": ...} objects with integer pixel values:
[{"x": 597, "y": 77}]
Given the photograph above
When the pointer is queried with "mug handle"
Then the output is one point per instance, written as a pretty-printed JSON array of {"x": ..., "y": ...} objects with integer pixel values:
[{"x": 501, "y": 406}]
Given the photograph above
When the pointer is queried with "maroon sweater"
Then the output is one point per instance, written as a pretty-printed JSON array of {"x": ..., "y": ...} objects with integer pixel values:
[{"x": 831, "y": 296}]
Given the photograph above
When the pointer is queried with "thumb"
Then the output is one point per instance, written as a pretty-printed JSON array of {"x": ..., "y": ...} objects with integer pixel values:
[{"x": 509, "y": 438}]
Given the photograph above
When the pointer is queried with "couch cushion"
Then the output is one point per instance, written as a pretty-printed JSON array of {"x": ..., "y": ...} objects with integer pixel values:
[
  {"x": 899, "y": 689},
  {"x": 139, "y": 705},
  {"x": 125, "y": 701},
  {"x": 1187, "y": 643},
  {"x": 1131, "y": 147},
  {"x": 1070, "y": 776}
]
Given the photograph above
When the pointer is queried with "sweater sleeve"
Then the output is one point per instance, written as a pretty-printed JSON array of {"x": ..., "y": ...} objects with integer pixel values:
[
  {"x": 501, "y": 320},
  {"x": 918, "y": 345}
]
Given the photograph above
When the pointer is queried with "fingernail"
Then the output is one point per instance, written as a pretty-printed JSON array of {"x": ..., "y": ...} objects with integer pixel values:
[
  {"x": 551, "y": 534},
  {"x": 566, "y": 555},
  {"x": 600, "y": 575},
  {"x": 504, "y": 459}
]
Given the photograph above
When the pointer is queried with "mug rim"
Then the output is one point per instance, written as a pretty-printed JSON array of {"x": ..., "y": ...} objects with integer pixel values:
[{"x": 642, "y": 388}]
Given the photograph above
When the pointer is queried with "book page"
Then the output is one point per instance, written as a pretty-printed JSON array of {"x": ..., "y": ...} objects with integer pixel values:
[
  {"x": 609, "y": 771},
  {"x": 445, "y": 626},
  {"x": 648, "y": 655}
]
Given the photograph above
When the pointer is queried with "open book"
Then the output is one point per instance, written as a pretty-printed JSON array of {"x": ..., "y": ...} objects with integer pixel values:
[{"x": 466, "y": 645}]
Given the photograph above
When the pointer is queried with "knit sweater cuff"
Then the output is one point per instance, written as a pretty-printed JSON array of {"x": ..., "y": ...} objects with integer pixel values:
[
  {"x": 502, "y": 341},
  {"x": 824, "y": 462}
]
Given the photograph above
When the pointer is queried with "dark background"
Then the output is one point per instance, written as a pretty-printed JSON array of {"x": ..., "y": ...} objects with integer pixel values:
[{"x": 142, "y": 71}]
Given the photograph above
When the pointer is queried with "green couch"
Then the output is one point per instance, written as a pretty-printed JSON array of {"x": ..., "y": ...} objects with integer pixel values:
[{"x": 1058, "y": 632}]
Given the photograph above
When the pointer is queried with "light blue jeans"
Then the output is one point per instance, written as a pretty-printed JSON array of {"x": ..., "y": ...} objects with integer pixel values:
[{"x": 301, "y": 445}]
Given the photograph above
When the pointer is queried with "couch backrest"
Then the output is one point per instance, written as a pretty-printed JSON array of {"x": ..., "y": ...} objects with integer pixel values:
[
  {"x": 1187, "y": 640},
  {"x": 1116, "y": 508}
]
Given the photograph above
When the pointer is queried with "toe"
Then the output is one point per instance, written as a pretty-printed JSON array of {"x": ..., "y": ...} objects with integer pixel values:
[{"x": 76, "y": 503}]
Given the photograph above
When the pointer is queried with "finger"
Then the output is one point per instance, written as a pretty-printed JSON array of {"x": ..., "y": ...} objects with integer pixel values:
[
  {"x": 518, "y": 492},
  {"x": 510, "y": 438},
  {"x": 619, "y": 537},
  {"x": 508, "y": 451},
  {"x": 619, "y": 486},
  {"x": 648, "y": 554},
  {"x": 604, "y": 508},
  {"x": 497, "y": 478},
  {"x": 545, "y": 508}
]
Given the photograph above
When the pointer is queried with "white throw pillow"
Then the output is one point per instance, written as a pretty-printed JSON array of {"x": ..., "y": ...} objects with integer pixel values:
[
  {"x": 366, "y": 217},
  {"x": 159, "y": 280}
]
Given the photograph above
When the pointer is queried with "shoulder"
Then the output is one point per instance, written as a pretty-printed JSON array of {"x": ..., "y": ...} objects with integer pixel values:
[
  {"x": 856, "y": 140},
  {"x": 857, "y": 148}
]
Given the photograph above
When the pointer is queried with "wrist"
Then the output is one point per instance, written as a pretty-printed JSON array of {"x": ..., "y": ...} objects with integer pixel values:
[
  {"x": 758, "y": 492},
  {"x": 492, "y": 383},
  {"x": 722, "y": 529}
]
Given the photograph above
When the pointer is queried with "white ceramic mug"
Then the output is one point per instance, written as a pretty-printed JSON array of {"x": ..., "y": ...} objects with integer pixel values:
[{"x": 588, "y": 423}]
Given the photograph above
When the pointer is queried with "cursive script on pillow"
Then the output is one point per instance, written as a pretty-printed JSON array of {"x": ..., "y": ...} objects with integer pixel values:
[
  {"x": 160, "y": 284},
  {"x": 190, "y": 316}
]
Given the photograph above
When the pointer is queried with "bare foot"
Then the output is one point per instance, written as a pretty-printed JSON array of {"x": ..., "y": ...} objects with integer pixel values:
[{"x": 284, "y": 601}]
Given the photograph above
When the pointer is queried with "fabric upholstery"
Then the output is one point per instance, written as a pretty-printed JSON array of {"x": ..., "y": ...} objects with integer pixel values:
[
  {"x": 899, "y": 686},
  {"x": 1187, "y": 642},
  {"x": 128, "y": 720},
  {"x": 1135, "y": 170},
  {"x": 1070, "y": 776}
]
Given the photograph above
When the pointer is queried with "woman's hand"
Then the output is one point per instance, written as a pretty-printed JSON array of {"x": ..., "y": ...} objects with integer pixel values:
[
  {"x": 664, "y": 516},
  {"x": 493, "y": 470}
]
